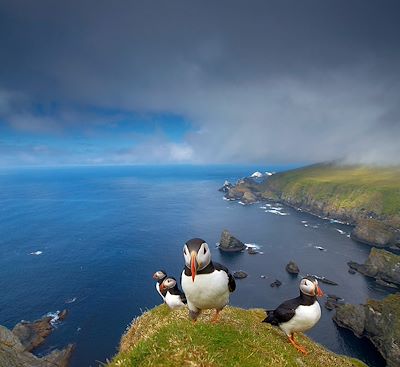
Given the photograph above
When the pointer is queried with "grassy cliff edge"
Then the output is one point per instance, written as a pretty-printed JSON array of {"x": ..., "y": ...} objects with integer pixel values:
[{"x": 161, "y": 337}]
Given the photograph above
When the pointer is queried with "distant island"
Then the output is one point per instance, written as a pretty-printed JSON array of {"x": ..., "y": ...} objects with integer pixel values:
[{"x": 366, "y": 197}]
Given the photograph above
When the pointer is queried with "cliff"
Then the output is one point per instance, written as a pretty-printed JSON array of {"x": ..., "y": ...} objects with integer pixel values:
[
  {"x": 381, "y": 265},
  {"x": 366, "y": 197},
  {"x": 379, "y": 321},
  {"x": 16, "y": 345},
  {"x": 163, "y": 338}
]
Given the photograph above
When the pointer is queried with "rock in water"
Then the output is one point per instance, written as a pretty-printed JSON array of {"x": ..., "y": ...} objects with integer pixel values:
[
  {"x": 230, "y": 243},
  {"x": 381, "y": 265},
  {"x": 379, "y": 321},
  {"x": 225, "y": 188},
  {"x": 240, "y": 274},
  {"x": 292, "y": 268},
  {"x": 252, "y": 251},
  {"x": 277, "y": 283},
  {"x": 333, "y": 302}
]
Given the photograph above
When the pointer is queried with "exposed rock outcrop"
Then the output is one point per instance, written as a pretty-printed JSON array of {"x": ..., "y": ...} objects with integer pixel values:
[
  {"x": 292, "y": 268},
  {"x": 230, "y": 243},
  {"x": 225, "y": 187},
  {"x": 16, "y": 346},
  {"x": 374, "y": 232},
  {"x": 333, "y": 302},
  {"x": 240, "y": 274},
  {"x": 382, "y": 265},
  {"x": 379, "y": 321}
]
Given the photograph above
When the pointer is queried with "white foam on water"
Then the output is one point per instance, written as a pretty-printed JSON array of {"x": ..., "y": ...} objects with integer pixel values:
[
  {"x": 304, "y": 221},
  {"x": 336, "y": 221},
  {"x": 320, "y": 248},
  {"x": 241, "y": 203},
  {"x": 36, "y": 253},
  {"x": 252, "y": 245},
  {"x": 306, "y": 225},
  {"x": 55, "y": 317},
  {"x": 340, "y": 231},
  {"x": 274, "y": 211},
  {"x": 71, "y": 300}
]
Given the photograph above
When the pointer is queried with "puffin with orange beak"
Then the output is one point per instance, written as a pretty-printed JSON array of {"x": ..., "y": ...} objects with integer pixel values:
[
  {"x": 207, "y": 285},
  {"x": 298, "y": 314},
  {"x": 173, "y": 296}
]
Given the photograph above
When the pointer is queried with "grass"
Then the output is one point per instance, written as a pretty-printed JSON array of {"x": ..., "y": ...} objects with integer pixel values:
[
  {"x": 161, "y": 337},
  {"x": 355, "y": 188}
]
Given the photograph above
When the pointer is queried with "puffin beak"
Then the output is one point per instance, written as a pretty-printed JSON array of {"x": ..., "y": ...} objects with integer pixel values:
[
  {"x": 193, "y": 265},
  {"x": 161, "y": 287},
  {"x": 319, "y": 292},
  {"x": 154, "y": 276}
]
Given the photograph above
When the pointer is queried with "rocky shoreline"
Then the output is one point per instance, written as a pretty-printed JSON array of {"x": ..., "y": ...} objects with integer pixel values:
[
  {"x": 379, "y": 321},
  {"x": 17, "y": 345}
]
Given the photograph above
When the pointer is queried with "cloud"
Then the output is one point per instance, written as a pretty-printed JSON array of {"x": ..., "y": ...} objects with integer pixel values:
[{"x": 264, "y": 81}]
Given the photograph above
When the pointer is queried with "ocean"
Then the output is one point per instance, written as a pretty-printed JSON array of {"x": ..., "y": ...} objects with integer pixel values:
[{"x": 89, "y": 239}]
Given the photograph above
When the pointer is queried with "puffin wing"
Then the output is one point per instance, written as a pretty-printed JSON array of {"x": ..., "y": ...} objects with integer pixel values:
[
  {"x": 183, "y": 298},
  {"x": 231, "y": 279},
  {"x": 283, "y": 313}
]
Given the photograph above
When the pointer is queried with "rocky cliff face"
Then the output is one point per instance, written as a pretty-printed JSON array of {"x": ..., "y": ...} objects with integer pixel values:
[
  {"x": 16, "y": 346},
  {"x": 379, "y": 321},
  {"x": 382, "y": 265}
]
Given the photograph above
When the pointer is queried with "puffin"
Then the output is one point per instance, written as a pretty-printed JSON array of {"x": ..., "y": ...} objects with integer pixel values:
[
  {"x": 159, "y": 276},
  {"x": 298, "y": 314},
  {"x": 207, "y": 284},
  {"x": 173, "y": 296}
]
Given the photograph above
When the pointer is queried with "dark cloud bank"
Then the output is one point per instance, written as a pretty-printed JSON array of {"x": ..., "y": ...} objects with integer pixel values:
[{"x": 261, "y": 81}]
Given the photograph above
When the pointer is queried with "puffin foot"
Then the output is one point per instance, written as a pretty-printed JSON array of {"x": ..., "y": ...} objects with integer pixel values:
[
  {"x": 193, "y": 315},
  {"x": 299, "y": 347},
  {"x": 215, "y": 318}
]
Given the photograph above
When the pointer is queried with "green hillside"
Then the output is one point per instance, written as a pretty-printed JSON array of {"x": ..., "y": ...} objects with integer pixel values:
[
  {"x": 161, "y": 337},
  {"x": 356, "y": 189}
]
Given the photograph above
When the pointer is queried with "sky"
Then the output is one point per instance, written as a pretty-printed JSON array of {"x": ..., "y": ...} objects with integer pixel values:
[{"x": 199, "y": 82}]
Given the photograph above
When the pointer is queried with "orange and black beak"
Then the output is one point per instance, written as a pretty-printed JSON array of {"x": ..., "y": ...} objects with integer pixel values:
[
  {"x": 154, "y": 276},
  {"x": 162, "y": 287},
  {"x": 193, "y": 265},
  {"x": 319, "y": 292}
]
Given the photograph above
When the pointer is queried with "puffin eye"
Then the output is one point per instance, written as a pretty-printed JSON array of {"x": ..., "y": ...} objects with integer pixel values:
[{"x": 204, "y": 249}]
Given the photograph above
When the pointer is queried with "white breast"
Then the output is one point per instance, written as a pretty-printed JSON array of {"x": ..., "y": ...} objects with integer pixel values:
[
  {"x": 174, "y": 301},
  {"x": 207, "y": 291},
  {"x": 304, "y": 319}
]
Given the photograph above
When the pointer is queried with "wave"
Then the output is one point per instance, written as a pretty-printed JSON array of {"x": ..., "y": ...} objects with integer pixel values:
[{"x": 36, "y": 253}]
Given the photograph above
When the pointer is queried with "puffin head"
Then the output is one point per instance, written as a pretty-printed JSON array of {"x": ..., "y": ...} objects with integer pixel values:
[
  {"x": 168, "y": 283},
  {"x": 309, "y": 286},
  {"x": 197, "y": 255},
  {"x": 159, "y": 275}
]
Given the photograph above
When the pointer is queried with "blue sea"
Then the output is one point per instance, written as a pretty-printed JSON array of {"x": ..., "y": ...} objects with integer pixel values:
[{"x": 89, "y": 239}]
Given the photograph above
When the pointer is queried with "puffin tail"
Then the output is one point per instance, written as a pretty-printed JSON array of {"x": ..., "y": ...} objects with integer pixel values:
[{"x": 270, "y": 319}]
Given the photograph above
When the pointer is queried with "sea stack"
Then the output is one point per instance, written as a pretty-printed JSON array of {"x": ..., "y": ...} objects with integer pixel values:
[{"x": 230, "y": 243}]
